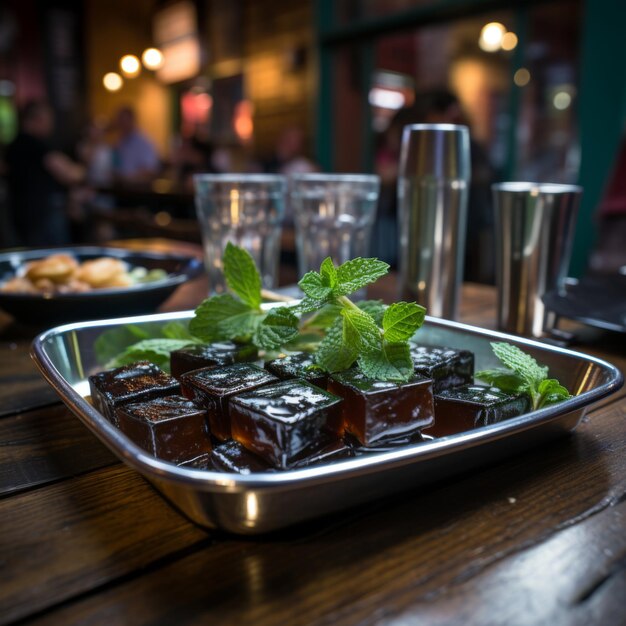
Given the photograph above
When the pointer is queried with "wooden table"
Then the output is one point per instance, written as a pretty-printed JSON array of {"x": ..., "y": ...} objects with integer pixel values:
[{"x": 538, "y": 539}]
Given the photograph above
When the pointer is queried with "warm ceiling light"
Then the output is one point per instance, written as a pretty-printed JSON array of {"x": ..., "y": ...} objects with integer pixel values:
[
  {"x": 152, "y": 58},
  {"x": 112, "y": 81},
  {"x": 509, "y": 41},
  {"x": 561, "y": 100},
  {"x": 130, "y": 65},
  {"x": 522, "y": 77},
  {"x": 491, "y": 36}
]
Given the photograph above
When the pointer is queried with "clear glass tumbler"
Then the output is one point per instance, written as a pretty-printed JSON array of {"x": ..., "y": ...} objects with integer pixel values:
[
  {"x": 247, "y": 210},
  {"x": 334, "y": 215}
]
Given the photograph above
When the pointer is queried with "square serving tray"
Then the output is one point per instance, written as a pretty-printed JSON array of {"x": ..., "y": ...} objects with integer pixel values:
[{"x": 262, "y": 502}]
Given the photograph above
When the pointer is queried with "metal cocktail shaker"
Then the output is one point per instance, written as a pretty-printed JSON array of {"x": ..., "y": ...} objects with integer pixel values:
[
  {"x": 433, "y": 188},
  {"x": 534, "y": 234}
]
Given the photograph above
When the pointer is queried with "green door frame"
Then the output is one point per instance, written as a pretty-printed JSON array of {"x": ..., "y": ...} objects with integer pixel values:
[{"x": 602, "y": 102}]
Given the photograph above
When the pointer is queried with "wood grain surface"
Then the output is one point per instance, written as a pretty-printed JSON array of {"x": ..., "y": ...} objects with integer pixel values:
[{"x": 539, "y": 538}]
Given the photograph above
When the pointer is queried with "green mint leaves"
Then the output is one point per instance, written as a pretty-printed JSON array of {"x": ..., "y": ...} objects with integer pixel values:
[
  {"x": 368, "y": 333},
  {"x": 225, "y": 316},
  {"x": 340, "y": 332},
  {"x": 523, "y": 375},
  {"x": 242, "y": 276}
]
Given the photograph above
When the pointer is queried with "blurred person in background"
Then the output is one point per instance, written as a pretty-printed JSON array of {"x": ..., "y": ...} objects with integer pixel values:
[
  {"x": 438, "y": 106},
  {"x": 289, "y": 154},
  {"x": 135, "y": 158},
  {"x": 39, "y": 179}
]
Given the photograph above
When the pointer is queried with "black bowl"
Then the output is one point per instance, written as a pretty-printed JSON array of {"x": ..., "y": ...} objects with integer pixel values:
[{"x": 49, "y": 310}]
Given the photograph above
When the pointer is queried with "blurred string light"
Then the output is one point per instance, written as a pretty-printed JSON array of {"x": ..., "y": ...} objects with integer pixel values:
[
  {"x": 521, "y": 77},
  {"x": 491, "y": 36},
  {"x": 130, "y": 66},
  {"x": 386, "y": 98},
  {"x": 152, "y": 58},
  {"x": 112, "y": 81}
]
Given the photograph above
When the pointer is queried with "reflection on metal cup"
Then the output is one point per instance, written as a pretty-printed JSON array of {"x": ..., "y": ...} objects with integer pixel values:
[
  {"x": 433, "y": 188},
  {"x": 334, "y": 215},
  {"x": 247, "y": 210},
  {"x": 534, "y": 235}
]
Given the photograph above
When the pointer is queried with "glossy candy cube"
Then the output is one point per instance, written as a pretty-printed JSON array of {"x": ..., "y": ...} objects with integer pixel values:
[
  {"x": 470, "y": 406},
  {"x": 212, "y": 355},
  {"x": 171, "y": 428},
  {"x": 446, "y": 366},
  {"x": 376, "y": 411},
  {"x": 298, "y": 365},
  {"x": 131, "y": 383},
  {"x": 285, "y": 421},
  {"x": 213, "y": 389}
]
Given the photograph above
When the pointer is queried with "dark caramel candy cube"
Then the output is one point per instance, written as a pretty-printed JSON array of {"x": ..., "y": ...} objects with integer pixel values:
[
  {"x": 286, "y": 421},
  {"x": 375, "y": 411},
  {"x": 212, "y": 355},
  {"x": 334, "y": 450},
  {"x": 470, "y": 406},
  {"x": 387, "y": 445},
  {"x": 213, "y": 388},
  {"x": 298, "y": 365},
  {"x": 131, "y": 383},
  {"x": 171, "y": 428},
  {"x": 447, "y": 367},
  {"x": 231, "y": 456}
]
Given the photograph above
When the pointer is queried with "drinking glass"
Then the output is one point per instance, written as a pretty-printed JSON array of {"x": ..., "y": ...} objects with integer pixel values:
[
  {"x": 334, "y": 215},
  {"x": 534, "y": 234},
  {"x": 433, "y": 187},
  {"x": 247, "y": 210}
]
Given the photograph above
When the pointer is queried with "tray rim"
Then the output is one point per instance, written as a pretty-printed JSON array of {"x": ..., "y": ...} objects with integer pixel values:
[{"x": 230, "y": 482}]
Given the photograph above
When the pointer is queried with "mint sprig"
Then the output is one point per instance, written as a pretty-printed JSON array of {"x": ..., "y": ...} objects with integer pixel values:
[
  {"x": 339, "y": 331},
  {"x": 523, "y": 375}
]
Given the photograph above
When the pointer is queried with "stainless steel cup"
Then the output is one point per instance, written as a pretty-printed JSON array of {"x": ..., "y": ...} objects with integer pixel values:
[
  {"x": 534, "y": 234},
  {"x": 433, "y": 187}
]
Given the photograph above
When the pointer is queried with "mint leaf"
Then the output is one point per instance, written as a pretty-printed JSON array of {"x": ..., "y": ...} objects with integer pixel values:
[
  {"x": 505, "y": 380},
  {"x": 336, "y": 352},
  {"x": 520, "y": 362},
  {"x": 401, "y": 320},
  {"x": 308, "y": 305},
  {"x": 375, "y": 308},
  {"x": 114, "y": 341},
  {"x": 324, "y": 317},
  {"x": 551, "y": 392},
  {"x": 279, "y": 327},
  {"x": 218, "y": 310},
  {"x": 357, "y": 273},
  {"x": 392, "y": 363},
  {"x": 241, "y": 275},
  {"x": 328, "y": 272},
  {"x": 360, "y": 330},
  {"x": 177, "y": 330},
  {"x": 313, "y": 286},
  {"x": 155, "y": 350}
]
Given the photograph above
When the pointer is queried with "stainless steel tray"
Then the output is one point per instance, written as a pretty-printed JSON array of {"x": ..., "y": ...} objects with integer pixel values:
[{"x": 259, "y": 502}]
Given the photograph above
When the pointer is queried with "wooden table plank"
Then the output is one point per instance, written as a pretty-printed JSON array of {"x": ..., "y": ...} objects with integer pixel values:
[
  {"x": 44, "y": 446},
  {"x": 22, "y": 386},
  {"x": 397, "y": 556},
  {"x": 67, "y": 538}
]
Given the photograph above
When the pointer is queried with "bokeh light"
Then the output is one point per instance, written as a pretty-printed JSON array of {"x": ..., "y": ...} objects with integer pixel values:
[
  {"x": 491, "y": 36},
  {"x": 112, "y": 81},
  {"x": 130, "y": 66},
  {"x": 522, "y": 77},
  {"x": 509, "y": 41},
  {"x": 152, "y": 58}
]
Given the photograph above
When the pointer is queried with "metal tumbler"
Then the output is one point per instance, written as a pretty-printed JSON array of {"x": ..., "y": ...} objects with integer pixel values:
[
  {"x": 433, "y": 187},
  {"x": 534, "y": 233}
]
